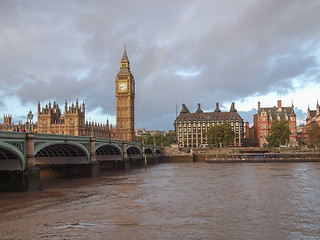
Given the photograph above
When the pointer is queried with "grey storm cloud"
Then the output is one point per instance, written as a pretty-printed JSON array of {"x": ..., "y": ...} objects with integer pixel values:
[{"x": 180, "y": 51}]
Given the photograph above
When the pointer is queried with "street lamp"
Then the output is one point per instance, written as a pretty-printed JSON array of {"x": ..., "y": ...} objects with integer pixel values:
[{"x": 30, "y": 117}]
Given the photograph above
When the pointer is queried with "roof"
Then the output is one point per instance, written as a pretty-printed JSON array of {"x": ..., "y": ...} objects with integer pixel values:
[
  {"x": 274, "y": 112},
  {"x": 217, "y": 115}
]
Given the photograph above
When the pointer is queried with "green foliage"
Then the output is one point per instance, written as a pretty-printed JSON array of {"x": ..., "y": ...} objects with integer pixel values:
[
  {"x": 138, "y": 139},
  {"x": 279, "y": 134},
  {"x": 160, "y": 140},
  {"x": 222, "y": 133},
  {"x": 314, "y": 134}
]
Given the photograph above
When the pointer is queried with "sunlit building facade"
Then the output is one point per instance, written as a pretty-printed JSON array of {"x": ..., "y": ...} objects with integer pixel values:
[{"x": 191, "y": 128}]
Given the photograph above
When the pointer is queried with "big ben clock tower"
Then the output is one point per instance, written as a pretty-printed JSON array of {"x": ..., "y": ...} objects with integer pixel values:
[{"x": 125, "y": 93}]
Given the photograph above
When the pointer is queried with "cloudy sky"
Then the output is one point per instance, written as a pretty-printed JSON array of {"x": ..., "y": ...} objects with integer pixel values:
[{"x": 183, "y": 51}]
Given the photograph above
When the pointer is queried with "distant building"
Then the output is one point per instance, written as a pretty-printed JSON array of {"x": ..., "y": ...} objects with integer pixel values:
[
  {"x": 249, "y": 137},
  {"x": 313, "y": 116},
  {"x": 302, "y": 134},
  {"x": 190, "y": 128},
  {"x": 141, "y": 132},
  {"x": 8, "y": 125},
  {"x": 266, "y": 116}
]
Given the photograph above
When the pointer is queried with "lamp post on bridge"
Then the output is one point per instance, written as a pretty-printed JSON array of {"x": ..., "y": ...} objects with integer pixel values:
[{"x": 30, "y": 117}]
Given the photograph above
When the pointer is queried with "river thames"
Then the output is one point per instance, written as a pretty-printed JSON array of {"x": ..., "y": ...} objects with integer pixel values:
[{"x": 172, "y": 201}]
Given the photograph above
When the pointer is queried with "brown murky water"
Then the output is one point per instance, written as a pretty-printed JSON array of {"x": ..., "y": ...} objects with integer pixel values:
[{"x": 172, "y": 201}]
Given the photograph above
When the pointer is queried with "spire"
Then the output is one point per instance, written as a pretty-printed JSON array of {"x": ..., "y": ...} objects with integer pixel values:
[
  {"x": 125, "y": 57},
  {"x": 38, "y": 107}
]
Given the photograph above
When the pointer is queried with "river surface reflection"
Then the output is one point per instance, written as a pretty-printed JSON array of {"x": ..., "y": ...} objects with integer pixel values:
[{"x": 172, "y": 201}]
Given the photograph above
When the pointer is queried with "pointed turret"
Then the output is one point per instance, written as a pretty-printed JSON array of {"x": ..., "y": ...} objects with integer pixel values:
[{"x": 39, "y": 108}]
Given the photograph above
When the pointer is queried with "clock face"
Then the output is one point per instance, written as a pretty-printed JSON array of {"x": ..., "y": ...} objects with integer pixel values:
[{"x": 122, "y": 86}]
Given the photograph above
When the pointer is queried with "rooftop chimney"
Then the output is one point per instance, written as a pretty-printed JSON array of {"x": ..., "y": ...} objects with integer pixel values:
[
  {"x": 199, "y": 109},
  {"x": 217, "y": 108},
  {"x": 279, "y": 105}
]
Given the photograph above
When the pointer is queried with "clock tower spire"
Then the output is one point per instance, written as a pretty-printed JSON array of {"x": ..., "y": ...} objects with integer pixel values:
[{"x": 125, "y": 94}]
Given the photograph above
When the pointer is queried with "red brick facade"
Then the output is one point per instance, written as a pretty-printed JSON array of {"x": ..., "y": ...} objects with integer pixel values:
[{"x": 266, "y": 116}]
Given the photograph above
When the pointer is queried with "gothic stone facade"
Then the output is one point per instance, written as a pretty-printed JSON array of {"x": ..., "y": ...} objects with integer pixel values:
[
  {"x": 266, "y": 116},
  {"x": 71, "y": 122},
  {"x": 190, "y": 128}
]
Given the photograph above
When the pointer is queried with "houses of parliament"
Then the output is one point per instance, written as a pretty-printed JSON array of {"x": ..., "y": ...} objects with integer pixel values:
[{"x": 51, "y": 120}]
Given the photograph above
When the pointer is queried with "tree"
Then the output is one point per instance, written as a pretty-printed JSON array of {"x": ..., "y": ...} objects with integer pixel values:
[
  {"x": 279, "y": 134},
  {"x": 314, "y": 134},
  {"x": 214, "y": 135},
  {"x": 169, "y": 138},
  {"x": 223, "y": 134},
  {"x": 160, "y": 140},
  {"x": 228, "y": 134}
]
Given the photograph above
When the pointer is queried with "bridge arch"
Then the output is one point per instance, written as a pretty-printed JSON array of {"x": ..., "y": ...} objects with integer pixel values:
[
  {"x": 108, "y": 152},
  {"x": 148, "y": 152},
  {"x": 11, "y": 158},
  {"x": 134, "y": 152},
  {"x": 61, "y": 153}
]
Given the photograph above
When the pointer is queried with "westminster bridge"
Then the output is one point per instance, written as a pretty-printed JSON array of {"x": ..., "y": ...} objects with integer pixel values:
[{"x": 23, "y": 154}]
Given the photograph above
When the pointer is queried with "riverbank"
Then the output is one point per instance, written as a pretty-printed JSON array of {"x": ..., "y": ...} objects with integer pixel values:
[
  {"x": 243, "y": 155},
  {"x": 229, "y": 160}
]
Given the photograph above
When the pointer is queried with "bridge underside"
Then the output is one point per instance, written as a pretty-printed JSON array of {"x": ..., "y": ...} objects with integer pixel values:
[
  {"x": 134, "y": 153},
  {"x": 9, "y": 161},
  {"x": 148, "y": 152},
  {"x": 61, "y": 154},
  {"x": 108, "y": 153}
]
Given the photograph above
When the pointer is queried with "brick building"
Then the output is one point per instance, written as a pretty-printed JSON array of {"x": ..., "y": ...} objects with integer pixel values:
[
  {"x": 190, "y": 128},
  {"x": 266, "y": 116}
]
